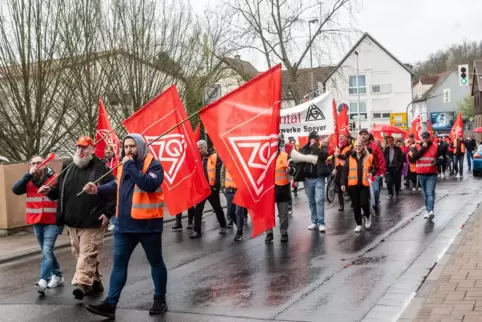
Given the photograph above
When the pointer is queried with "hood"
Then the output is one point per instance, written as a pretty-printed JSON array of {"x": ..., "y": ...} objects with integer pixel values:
[{"x": 141, "y": 146}]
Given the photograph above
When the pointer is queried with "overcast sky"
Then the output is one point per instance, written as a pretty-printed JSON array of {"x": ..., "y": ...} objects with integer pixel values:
[{"x": 410, "y": 29}]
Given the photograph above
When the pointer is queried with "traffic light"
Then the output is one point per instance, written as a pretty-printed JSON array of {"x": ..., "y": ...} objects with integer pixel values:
[{"x": 464, "y": 75}]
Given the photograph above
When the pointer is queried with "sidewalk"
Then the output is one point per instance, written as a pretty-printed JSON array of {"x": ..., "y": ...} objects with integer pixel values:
[{"x": 453, "y": 289}]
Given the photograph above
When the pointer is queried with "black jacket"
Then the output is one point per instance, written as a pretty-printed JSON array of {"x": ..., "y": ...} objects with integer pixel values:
[
  {"x": 82, "y": 211},
  {"x": 443, "y": 148},
  {"x": 397, "y": 158},
  {"x": 470, "y": 145},
  {"x": 346, "y": 170},
  {"x": 309, "y": 170}
]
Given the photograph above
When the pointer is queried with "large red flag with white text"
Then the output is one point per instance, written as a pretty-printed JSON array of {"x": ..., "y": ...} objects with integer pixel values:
[
  {"x": 184, "y": 183},
  {"x": 244, "y": 128},
  {"x": 104, "y": 127},
  {"x": 457, "y": 128}
]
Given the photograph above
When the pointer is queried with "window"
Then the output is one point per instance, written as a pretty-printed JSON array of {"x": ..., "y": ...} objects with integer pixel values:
[
  {"x": 382, "y": 89},
  {"x": 381, "y": 115},
  {"x": 353, "y": 85},
  {"x": 353, "y": 110}
]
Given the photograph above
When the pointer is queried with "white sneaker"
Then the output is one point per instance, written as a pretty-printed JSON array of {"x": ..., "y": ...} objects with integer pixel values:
[
  {"x": 358, "y": 229},
  {"x": 56, "y": 281},
  {"x": 322, "y": 228},
  {"x": 425, "y": 216},
  {"x": 312, "y": 227},
  {"x": 111, "y": 227},
  {"x": 419, "y": 189},
  {"x": 457, "y": 176},
  {"x": 431, "y": 215},
  {"x": 41, "y": 286},
  {"x": 368, "y": 222},
  {"x": 414, "y": 189},
  {"x": 439, "y": 176},
  {"x": 443, "y": 175}
]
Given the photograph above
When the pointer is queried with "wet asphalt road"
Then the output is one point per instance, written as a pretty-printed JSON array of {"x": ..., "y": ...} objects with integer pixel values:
[{"x": 337, "y": 276}]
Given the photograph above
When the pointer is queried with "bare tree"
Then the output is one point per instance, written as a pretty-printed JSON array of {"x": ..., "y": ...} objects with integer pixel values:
[
  {"x": 35, "y": 101},
  {"x": 274, "y": 27}
]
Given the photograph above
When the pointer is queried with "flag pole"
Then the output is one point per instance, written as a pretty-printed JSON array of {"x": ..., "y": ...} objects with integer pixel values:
[
  {"x": 148, "y": 144},
  {"x": 67, "y": 167}
]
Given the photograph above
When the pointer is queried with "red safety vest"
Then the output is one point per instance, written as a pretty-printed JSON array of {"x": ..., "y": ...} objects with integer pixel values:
[
  {"x": 426, "y": 165},
  {"x": 40, "y": 209}
]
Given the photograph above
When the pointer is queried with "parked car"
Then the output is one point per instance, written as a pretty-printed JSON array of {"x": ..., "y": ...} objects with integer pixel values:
[{"x": 477, "y": 162}]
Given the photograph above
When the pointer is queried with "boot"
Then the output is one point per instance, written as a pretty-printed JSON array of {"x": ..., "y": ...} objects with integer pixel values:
[
  {"x": 239, "y": 235},
  {"x": 97, "y": 288},
  {"x": 284, "y": 237},
  {"x": 103, "y": 309},
  {"x": 80, "y": 291},
  {"x": 159, "y": 306},
  {"x": 269, "y": 238}
]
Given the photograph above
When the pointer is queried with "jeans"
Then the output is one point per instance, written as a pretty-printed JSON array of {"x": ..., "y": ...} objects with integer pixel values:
[
  {"x": 234, "y": 212},
  {"x": 46, "y": 237},
  {"x": 459, "y": 164},
  {"x": 315, "y": 191},
  {"x": 428, "y": 185},
  {"x": 376, "y": 189},
  {"x": 470, "y": 157},
  {"x": 124, "y": 245},
  {"x": 215, "y": 202}
]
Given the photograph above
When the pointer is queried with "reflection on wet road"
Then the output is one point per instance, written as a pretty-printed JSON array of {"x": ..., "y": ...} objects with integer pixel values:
[{"x": 337, "y": 276}]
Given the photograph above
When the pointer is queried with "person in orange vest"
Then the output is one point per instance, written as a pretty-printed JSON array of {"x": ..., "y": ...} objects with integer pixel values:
[
  {"x": 459, "y": 154},
  {"x": 212, "y": 170},
  {"x": 357, "y": 171},
  {"x": 140, "y": 212},
  {"x": 282, "y": 194},
  {"x": 235, "y": 213},
  {"x": 342, "y": 152},
  {"x": 41, "y": 213},
  {"x": 426, "y": 167}
]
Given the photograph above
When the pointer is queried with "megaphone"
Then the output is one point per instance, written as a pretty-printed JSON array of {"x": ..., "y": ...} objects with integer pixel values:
[{"x": 297, "y": 157}]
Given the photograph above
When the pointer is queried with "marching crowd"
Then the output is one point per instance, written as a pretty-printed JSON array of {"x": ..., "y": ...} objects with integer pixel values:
[{"x": 133, "y": 196}]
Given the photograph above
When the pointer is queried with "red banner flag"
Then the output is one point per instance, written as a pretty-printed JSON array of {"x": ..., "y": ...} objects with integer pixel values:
[
  {"x": 342, "y": 121},
  {"x": 457, "y": 128},
  {"x": 302, "y": 141},
  {"x": 197, "y": 133},
  {"x": 244, "y": 128},
  {"x": 184, "y": 183},
  {"x": 104, "y": 127},
  {"x": 335, "y": 119}
]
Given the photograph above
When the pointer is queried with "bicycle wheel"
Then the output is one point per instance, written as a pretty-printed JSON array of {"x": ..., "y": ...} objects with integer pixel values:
[{"x": 330, "y": 189}]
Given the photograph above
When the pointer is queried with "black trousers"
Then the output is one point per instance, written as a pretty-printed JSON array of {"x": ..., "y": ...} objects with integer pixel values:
[
  {"x": 190, "y": 217},
  {"x": 360, "y": 200},
  {"x": 218, "y": 210},
  {"x": 412, "y": 177},
  {"x": 341, "y": 198},
  {"x": 394, "y": 178}
]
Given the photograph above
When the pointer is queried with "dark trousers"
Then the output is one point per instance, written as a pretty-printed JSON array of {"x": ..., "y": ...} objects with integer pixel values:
[
  {"x": 459, "y": 164},
  {"x": 360, "y": 200},
  {"x": 190, "y": 217},
  {"x": 218, "y": 210},
  {"x": 394, "y": 178},
  {"x": 124, "y": 245},
  {"x": 412, "y": 178},
  {"x": 234, "y": 212},
  {"x": 341, "y": 197}
]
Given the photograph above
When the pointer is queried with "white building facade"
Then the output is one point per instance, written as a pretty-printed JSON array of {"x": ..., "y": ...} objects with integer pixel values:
[{"x": 383, "y": 85}]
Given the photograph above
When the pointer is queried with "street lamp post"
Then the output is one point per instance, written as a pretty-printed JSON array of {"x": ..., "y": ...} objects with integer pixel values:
[
  {"x": 311, "y": 57},
  {"x": 358, "y": 90}
]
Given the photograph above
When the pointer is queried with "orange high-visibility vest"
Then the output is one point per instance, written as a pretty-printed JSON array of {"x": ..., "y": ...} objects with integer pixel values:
[
  {"x": 462, "y": 147},
  {"x": 145, "y": 205},
  {"x": 426, "y": 165},
  {"x": 228, "y": 181},
  {"x": 353, "y": 170},
  {"x": 282, "y": 177},
  {"x": 339, "y": 162},
  {"x": 211, "y": 167}
]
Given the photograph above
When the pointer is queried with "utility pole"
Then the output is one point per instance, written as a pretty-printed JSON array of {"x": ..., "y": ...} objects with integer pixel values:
[
  {"x": 358, "y": 90},
  {"x": 311, "y": 58}
]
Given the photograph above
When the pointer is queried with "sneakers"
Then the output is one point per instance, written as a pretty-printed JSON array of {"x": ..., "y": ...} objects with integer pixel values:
[
  {"x": 390, "y": 197},
  {"x": 239, "y": 235},
  {"x": 111, "y": 227},
  {"x": 425, "y": 216},
  {"x": 195, "y": 235},
  {"x": 419, "y": 189},
  {"x": 230, "y": 224},
  {"x": 431, "y": 215},
  {"x": 159, "y": 306},
  {"x": 290, "y": 212},
  {"x": 189, "y": 226},
  {"x": 321, "y": 228},
  {"x": 342, "y": 208},
  {"x": 56, "y": 281},
  {"x": 269, "y": 238},
  {"x": 313, "y": 227},
  {"x": 368, "y": 222},
  {"x": 103, "y": 309},
  {"x": 414, "y": 189},
  {"x": 457, "y": 176},
  {"x": 443, "y": 176},
  {"x": 358, "y": 229},
  {"x": 177, "y": 227},
  {"x": 222, "y": 231},
  {"x": 284, "y": 237},
  {"x": 41, "y": 286}
]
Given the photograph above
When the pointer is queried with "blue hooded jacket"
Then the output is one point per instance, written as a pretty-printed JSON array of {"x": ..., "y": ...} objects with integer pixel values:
[{"x": 132, "y": 175}]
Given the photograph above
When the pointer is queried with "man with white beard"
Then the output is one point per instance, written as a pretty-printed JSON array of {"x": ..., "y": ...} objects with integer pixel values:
[{"x": 86, "y": 216}]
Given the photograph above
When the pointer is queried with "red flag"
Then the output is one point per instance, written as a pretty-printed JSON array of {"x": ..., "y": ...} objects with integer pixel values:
[
  {"x": 104, "y": 127},
  {"x": 335, "y": 120},
  {"x": 457, "y": 128},
  {"x": 244, "y": 128},
  {"x": 302, "y": 141},
  {"x": 197, "y": 133},
  {"x": 416, "y": 128},
  {"x": 343, "y": 124},
  {"x": 332, "y": 143},
  {"x": 184, "y": 183}
]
